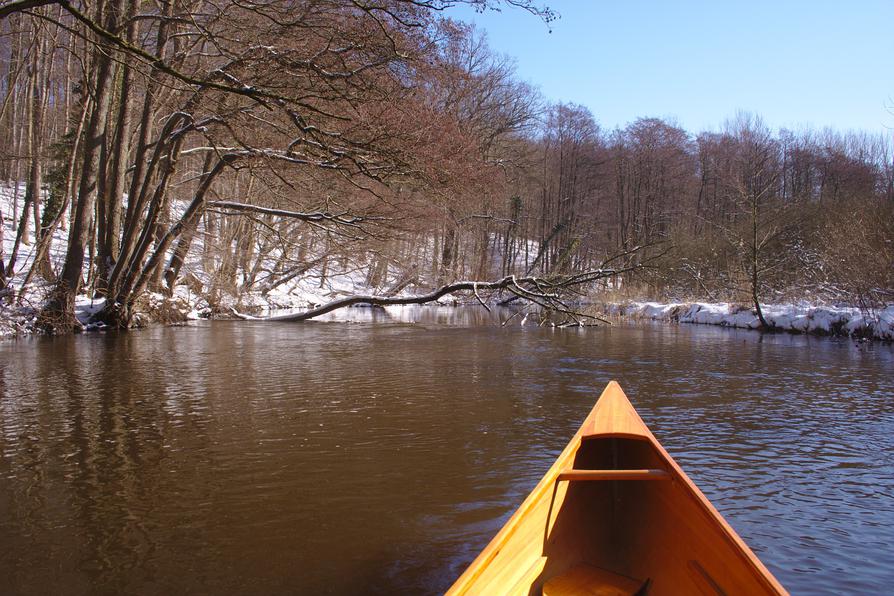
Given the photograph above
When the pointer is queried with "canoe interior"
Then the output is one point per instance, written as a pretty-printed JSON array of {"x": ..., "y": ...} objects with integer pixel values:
[
  {"x": 660, "y": 530},
  {"x": 641, "y": 529}
]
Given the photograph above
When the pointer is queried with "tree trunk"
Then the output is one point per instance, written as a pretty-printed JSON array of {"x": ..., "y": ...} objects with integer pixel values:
[
  {"x": 2, "y": 268},
  {"x": 58, "y": 314},
  {"x": 755, "y": 280},
  {"x": 110, "y": 246},
  {"x": 32, "y": 186},
  {"x": 119, "y": 309},
  {"x": 143, "y": 171},
  {"x": 178, "y": 258}
]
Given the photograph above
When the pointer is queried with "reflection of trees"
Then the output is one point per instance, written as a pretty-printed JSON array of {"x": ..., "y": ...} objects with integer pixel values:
[
  {"x": 86, "y": 438},
  {"x": 115, "y": 437}
]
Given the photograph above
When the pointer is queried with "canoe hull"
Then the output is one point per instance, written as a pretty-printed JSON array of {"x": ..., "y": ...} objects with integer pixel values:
[{"x": 633, "y": 512}]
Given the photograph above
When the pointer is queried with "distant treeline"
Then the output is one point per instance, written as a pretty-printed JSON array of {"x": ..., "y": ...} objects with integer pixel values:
[
  {"x": 236, "y": 146},
  {"x": 749, "y": 214}
]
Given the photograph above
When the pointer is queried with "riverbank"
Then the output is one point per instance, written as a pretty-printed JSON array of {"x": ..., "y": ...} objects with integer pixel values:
[
  {"x": 793, "y": 318},
  {"x": 197, "y": 297}
]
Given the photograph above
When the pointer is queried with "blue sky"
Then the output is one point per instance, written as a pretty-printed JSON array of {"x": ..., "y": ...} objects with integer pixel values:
[{"x": 796, "y": 63}]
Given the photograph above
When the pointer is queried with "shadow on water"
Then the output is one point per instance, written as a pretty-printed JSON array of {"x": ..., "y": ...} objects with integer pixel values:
[{"x": 379, "y": 452}]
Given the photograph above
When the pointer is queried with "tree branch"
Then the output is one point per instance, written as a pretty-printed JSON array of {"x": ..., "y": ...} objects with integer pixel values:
[
  {"x": 314, "y": 216},
  {"x": 525, "y": 287}
]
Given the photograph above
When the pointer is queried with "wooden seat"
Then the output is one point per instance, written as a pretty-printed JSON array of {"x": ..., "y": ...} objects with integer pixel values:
[
  {"x": 575, "y": 474},
  {"x": 587, "y": 580}
]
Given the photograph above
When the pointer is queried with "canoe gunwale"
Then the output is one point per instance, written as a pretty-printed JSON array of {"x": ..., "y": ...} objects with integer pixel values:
[
  {"x": 548, "y": 483},
  {"x": 741, "y": 548}
]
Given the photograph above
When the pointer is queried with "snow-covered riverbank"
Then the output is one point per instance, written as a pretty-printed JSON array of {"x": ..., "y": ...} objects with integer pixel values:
[
  {"x": 797, "y": 318},
  {"x": 19, "y": 305},
  {"x": 18, "y": 308}
]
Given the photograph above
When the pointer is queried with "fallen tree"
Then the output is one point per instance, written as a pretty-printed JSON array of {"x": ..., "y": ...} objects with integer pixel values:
[{"x": 552, "y": 294}]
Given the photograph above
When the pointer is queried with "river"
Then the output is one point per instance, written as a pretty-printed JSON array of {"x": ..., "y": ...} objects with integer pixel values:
[{"x": 378, "y": 451}]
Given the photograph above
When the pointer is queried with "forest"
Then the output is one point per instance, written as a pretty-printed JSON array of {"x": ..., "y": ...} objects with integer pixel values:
[{"x": 230, "y": 148}]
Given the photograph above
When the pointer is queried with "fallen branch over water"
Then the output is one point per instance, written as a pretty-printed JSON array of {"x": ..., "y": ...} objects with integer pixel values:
[{"x": 546, "y": 292}]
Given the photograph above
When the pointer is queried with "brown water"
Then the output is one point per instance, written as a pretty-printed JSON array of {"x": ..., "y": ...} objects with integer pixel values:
[{"x": 381, "y": 456}]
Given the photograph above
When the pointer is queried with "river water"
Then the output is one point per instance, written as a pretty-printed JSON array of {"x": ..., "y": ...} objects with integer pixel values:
[{"x": 378, "y": 455}]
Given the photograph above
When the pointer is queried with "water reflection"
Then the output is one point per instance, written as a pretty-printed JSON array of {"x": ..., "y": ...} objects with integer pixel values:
[{"x": 380, "y": 455}]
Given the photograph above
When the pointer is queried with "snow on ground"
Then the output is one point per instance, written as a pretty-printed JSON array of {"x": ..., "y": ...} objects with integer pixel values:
[
  {"x": 798, "y": 318},
  {"x": 17, "y": 315}
]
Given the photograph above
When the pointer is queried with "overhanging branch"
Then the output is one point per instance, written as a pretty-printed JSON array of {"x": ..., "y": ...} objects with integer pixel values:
[{"x": 313, "y": 216}]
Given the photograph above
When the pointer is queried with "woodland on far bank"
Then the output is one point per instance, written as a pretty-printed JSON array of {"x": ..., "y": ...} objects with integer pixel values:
[{"x": 237, "y": 150}]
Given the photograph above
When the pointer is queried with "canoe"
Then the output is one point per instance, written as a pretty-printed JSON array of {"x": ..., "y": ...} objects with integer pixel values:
[{"x": 616, "y": 515}]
